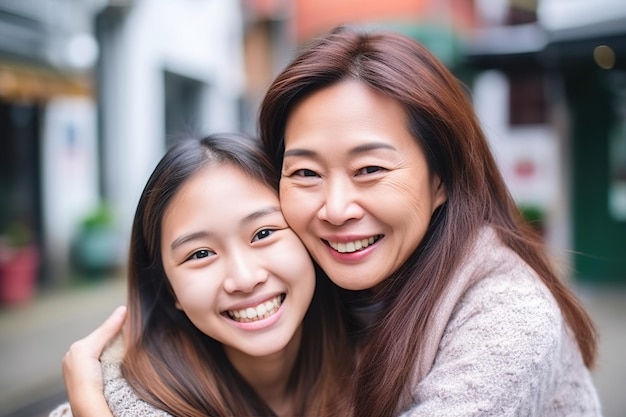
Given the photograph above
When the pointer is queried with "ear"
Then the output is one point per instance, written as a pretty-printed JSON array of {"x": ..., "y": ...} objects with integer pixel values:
[{"x": 440, "y": 195}]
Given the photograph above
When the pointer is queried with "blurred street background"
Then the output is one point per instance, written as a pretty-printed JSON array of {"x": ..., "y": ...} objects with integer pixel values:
[{"x": 92, "y": 92}]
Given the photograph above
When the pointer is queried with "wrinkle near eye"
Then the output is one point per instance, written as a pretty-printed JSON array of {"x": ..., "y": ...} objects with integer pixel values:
[{"x": 369, "y": 170}]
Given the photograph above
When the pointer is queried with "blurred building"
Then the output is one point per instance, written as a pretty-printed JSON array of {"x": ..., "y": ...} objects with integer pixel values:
[
  {"x": 547, "y": 80},
  {"x": 561, "y": 68},
  {"x": 91, "y": 94},
  {"x": 47, "y": 135}
]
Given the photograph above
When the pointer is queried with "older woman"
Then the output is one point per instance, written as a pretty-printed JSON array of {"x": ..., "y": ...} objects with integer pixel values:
[{"x": 389, "y": 181}]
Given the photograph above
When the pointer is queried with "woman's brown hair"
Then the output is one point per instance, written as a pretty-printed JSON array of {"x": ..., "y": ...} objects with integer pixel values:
[
  {"x": 443, "y": 122},
  {"x": 169, "y": 362}
]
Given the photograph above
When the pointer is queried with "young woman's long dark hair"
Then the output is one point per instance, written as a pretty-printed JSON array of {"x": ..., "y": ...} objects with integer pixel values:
[
  {"x": 169, "y": 362},
  {"x": 443, "y": 122}
]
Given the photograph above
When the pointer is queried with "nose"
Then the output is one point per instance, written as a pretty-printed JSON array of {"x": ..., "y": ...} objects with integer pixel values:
[
  {"x": 244, "y": 273},
  {"x": 340, "y": 202}
]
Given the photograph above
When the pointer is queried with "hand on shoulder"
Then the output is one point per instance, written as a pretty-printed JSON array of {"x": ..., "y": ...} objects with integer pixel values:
[{"x": 82, "y": 371}]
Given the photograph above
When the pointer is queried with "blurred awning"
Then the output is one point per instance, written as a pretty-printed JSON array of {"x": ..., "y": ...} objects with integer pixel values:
[
  {"x": 509, "y": 48},
  {"x": 580, "y": 45},
  {"x": 21, "y": 82},
  {"x": 530, "y": 46}
]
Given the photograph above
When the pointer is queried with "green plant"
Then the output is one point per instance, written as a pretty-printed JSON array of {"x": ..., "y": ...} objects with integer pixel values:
[
  {"x": 101, "y": 217},
  {"x": 95, "y": 247}
]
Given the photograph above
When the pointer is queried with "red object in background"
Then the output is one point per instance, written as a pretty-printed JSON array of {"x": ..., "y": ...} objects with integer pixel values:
[
  {"x": 18, "y": 275},
  {"x": 525, "y": 169}
]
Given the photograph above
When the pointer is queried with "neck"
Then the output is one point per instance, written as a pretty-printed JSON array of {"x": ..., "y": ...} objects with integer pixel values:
[{"x": 269, "y": 375}]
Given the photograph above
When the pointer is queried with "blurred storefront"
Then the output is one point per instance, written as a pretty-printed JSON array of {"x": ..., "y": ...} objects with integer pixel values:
[
  {"x": 563, "y": 72},
  {"x": 92, "y": 92},
  {"x": 46, "y": 54}
]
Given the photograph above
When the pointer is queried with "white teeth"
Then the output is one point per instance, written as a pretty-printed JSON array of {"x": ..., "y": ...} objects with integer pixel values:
[
  {"x": 349, "y": 247},
  {"x": 259, "y": 312},
  {"x": 250, "y": 313}
]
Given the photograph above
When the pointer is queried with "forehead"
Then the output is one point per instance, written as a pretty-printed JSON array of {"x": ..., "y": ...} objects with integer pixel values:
[
  {"x": 348, "y": 113},
  {"x": 223, "y": 187}
]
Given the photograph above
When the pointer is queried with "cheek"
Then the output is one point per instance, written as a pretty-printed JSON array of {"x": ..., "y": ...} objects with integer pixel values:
[
  {"x": 295, "y": 263},
  {"x": 295, "y": 209},
  {"x": 192, "y": 295},
  {"x": 405, "y": 201}
]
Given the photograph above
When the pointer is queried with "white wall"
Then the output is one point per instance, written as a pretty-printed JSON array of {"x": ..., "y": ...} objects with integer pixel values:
[
  {"x": 69, "y": 174},
  {"x": 531, "y": 158},
  {"x": 199, "y": 39}
]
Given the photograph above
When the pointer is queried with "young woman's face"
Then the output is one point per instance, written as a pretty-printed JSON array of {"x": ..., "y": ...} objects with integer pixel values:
[
  {"x": 238, "y": 271},
  {"x": 355, "y": 185}
]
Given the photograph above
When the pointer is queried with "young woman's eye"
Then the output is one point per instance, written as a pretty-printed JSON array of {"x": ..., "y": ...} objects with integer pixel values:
[
  {"x": 201, "y": 254},
  {"x": 305, "y": 173},
  {"x": 369, "y": 170},
  {"x": 262, "y": 234}
]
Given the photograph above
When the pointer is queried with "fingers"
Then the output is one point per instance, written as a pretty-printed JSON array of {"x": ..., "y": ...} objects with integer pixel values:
[
  {"x": 81, "y": 366},
  {"x": 107, "y": 330},
  {"x": 92, "y": 345}
]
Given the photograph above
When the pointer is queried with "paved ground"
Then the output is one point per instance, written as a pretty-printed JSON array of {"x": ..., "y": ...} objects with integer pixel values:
[
  {"x": 607, "y": 307},
  {"x": 34, "y": 338}
]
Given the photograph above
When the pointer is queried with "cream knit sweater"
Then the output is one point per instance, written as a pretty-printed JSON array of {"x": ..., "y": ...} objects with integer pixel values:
[{"x": 499, "y": 346}]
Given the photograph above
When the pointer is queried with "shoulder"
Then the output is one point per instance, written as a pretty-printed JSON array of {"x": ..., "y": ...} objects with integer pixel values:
[
  {"x": 510, "y": 307},
  {"x": 122, "y": 399},
  {"x": 500, "y": 348},
  {"x": 62, "y": 410},
  {"x": 504, "y": 288},
  {"x": 112, "y": 357},
  {"x": 504, "y": 343}
]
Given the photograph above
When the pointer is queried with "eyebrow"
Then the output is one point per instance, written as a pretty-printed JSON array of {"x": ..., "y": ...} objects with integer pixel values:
[
  {"x": 187, "y": 238},
  {"x": 260, "y": 213},
  {"x": 371, "y": 147},
  {"x": 202, "y": 234},
  {"x": 354, "y": 151}
]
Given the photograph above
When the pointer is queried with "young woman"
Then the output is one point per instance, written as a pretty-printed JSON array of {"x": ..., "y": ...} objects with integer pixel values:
[
  {"x": 388, "y": 179},
  {"x": 219, "y": 289}
]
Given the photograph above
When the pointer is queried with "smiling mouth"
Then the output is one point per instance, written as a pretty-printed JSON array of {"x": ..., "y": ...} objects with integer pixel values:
[
  {"x": 354, "y": 246},
  {"x": 262, "y": 311}
]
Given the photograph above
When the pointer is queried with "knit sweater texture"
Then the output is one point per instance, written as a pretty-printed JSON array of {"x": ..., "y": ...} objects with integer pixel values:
[{"x": 499, "y": 346}]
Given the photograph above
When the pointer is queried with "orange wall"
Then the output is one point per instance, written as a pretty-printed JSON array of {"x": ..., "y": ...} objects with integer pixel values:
[
  {"x": 316, "y": 16},
  {"x": 313, "y": 17}
]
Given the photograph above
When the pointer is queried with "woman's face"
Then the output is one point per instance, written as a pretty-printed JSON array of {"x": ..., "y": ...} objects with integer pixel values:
[
  {"x": 238, "y": 271},
  {"x": 355, "y": 186}
]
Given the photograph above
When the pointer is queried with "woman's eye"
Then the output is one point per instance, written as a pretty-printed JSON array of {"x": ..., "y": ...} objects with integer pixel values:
[
  {"x": 369, "y": 170},
  {"x": 262, "y": 234},
  {"x": 305, "y": 173},
  {"x": 203, "y": 253}
]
